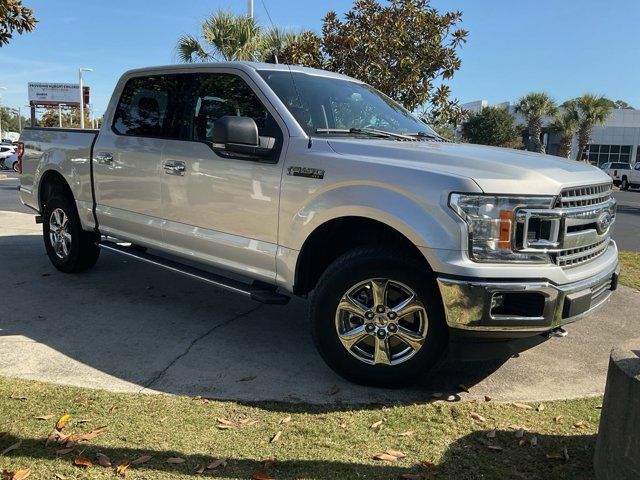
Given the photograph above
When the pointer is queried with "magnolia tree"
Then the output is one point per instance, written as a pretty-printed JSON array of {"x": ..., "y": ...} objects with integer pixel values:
[
  {"x": 405, "y": 48},
  {"x": 14, "y": 17}
]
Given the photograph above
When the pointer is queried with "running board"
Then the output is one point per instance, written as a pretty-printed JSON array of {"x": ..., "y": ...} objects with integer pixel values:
[{"x": 258, "y": 291}]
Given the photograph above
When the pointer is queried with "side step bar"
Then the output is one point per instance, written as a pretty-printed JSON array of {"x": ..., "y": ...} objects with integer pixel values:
[{"x": 257, "y": 291}]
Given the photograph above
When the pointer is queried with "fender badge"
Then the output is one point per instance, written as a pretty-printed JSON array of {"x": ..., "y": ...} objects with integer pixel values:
[{"x": 305, "y": 172}]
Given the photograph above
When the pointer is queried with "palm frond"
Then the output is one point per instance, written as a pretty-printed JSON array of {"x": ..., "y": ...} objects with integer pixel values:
[{"x": 189, "y": 50}]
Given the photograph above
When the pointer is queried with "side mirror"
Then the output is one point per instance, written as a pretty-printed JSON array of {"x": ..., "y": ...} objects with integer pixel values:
[{"x": 238, "y": 137}]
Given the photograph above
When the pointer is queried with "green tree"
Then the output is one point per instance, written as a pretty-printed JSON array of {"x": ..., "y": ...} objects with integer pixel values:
[
  {"x": 404, "y": 48},
  {"x": 566, "y": 123},
  {"x": 533, "y": 107},
  {"x": 619, "y": 104},
  {"x": 70, "y": 117},
  {"x": 492, "y": 126},
  {"x": 14, "y": 17},
  {"x": 10, "y": 122},
  {"x": 591, "y": 110},
  {"x": 228, "y": 37}
]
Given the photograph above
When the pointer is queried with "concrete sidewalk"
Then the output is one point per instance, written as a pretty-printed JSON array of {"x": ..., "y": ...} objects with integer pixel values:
[{"x": 125, "y": 326}]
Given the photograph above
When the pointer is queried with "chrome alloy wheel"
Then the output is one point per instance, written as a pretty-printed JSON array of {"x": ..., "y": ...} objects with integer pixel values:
[
  {"x": 381, "y": 322},
  {"x": 59, "y": 234}
]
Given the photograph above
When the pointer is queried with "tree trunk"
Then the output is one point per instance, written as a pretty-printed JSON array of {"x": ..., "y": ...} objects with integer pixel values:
[
  {"x": 535, "y": 132},
  {"x": 565, "y": 146},
  {"x": 584, "y": 136}
]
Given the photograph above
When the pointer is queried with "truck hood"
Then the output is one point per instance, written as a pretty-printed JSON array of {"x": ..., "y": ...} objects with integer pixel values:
[{"x": 494, "y": 169}]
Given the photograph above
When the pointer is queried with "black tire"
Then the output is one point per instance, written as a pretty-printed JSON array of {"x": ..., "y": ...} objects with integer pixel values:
[
  {"x": 625, "y": 184},
  {"x": 357, "y": 266},
  {"x": 83, "y": 251},
  {"x": 14, "y": 167}
]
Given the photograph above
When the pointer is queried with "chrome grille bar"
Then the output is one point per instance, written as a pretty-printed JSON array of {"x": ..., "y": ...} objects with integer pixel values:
[
  {"x": 576, "y": 256},
  {"x": 585, "y": 196}
]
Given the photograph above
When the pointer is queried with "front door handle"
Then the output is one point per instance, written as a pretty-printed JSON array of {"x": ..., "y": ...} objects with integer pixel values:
[
  {"x": 174, "y": 168},
  {"x": 105, "y": 158}
]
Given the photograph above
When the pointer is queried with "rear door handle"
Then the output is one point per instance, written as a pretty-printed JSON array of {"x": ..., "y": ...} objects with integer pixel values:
[
  {"x": 105, "y": 158},
  {"x": 174, "y": 168}
]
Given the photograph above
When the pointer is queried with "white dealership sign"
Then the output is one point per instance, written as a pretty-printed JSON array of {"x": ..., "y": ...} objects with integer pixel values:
[{"x": 54, "y": 93}]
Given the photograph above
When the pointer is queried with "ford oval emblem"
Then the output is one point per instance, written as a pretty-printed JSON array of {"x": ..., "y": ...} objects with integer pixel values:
[{"x": 603, "y": 223}]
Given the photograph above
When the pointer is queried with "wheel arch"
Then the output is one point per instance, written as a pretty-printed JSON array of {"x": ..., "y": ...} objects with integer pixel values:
[
  {"x": 337, "y": 236},
  {"x": 52, "y": 181}
]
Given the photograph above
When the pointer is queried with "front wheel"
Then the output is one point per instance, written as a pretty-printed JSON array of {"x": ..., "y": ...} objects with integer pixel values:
[
  {"x": 625, "y": 184},
  {"x": 377, "y": 318},
  {"x": 69, "y": 248}
]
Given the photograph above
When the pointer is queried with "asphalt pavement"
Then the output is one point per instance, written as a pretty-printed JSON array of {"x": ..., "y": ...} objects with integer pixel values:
[
  {"x": 127, "y": 326},
  {"x": 627, "y": 228}
]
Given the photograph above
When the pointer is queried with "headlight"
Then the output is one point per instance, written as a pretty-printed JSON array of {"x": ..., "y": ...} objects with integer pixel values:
[{"x": 492, "y": 229}]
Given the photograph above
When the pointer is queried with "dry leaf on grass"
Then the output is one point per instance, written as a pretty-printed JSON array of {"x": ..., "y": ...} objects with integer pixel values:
[
  {"x": 221, "y": 426},
  {"x": 83, "y": 420},
  {"x": 580, "y": 425},
  {"x": 491, "y": 433},
  {"x": 175, "y": 460},
  {"x": 558, "y": 419},
  {"x": 523, "y": 406},
  {"x": 103, "y": 460},
  {"x": 224, "y": 421},
  {"x": 248, "y": 379},
  {"x": 495, "y": 448},
  {"x": 140, "y": 460},
  {"x": 122, "y": 468},
  {"x": 199, "y": 470},
  {"x": 396, "y": 453},
  {"x": 82, "y": 462},
  {"x": 262, "y": 476},
  {"x": 62, "y": 421},
  {"x": 45, "y": 417},
  {"x": 53, "y": 437},
  {"x": 11, "y": 447},
  {"x": 376, "y": 424},
  {"x": 64, "y": 451},
  {"x": 19, "y": 475},
  {"x": 276, "y": 437},
  {"x": 286, "y": 419},
  {"x": 540, "y": 407},
  {"x": 59, "y": 476},
  {"x": 487, "y": 398},
  {"x": 427, "y": 464},
  {"x": 388, "y": 455},
  {"x": 408, "y": 433},
  {"x": 220, "y": 462},
  {"x": 17, "y": 397},
  {"x": 477, "y": 417}
]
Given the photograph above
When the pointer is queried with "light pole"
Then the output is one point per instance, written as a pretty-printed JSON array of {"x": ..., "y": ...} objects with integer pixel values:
[
  {"x": 80, "y": 70},
  {"x": 250, "y": 9},
  {"x": 1, "y": 88}
]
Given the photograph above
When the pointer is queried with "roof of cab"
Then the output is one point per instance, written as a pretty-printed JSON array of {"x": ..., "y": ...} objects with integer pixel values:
[{"x": 243, "y": 66}]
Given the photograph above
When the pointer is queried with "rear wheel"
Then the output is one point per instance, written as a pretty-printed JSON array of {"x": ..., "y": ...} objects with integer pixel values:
[
  {"x": 14, "y": 166},
  {"x": 69, "y": 248},
  {"x": 625, "y": 184},
  {"x": 377, "y": 318}
]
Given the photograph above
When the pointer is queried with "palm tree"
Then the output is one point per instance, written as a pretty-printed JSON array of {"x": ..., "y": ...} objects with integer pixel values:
[
  {"x": 566, "y": 124},
  {"x": 592, "y": 110},
  {"x": 229, "y": 37},
  {"x": 533, "y": 107}
]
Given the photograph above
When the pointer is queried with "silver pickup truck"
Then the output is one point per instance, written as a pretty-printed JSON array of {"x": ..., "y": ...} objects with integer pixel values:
[{"x": 269, "y": 180}]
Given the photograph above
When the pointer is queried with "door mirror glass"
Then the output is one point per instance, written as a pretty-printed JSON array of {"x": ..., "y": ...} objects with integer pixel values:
[{"x": 238, "y": 136}]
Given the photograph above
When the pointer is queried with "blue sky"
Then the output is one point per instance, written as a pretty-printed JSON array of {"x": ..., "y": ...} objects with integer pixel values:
[{"x": 564, "y": 47}]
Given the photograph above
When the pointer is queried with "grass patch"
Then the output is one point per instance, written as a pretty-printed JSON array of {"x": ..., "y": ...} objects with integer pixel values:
[
  {"x": 332, "y": 442},
  {"x": 630, "y": 275}
]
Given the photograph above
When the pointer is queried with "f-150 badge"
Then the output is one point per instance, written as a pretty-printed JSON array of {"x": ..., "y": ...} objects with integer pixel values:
[{"x": 305, "y": 172}]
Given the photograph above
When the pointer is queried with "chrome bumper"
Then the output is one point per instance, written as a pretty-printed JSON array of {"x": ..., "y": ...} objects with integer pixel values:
[{"x": 474, "y": 304}]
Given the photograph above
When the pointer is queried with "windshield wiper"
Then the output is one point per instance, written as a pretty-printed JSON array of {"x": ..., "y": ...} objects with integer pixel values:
[
  {"x": 432, "y": 136},
  {"x": 372, "y": 132}
]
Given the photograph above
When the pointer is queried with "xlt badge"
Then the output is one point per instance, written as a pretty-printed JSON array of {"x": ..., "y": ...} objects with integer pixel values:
[{"x": 305, "y": 172}]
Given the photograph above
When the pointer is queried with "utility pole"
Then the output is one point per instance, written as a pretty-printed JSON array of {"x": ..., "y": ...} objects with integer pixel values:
[
  {"x": 80, "y": 70},
  {"x": 60, "y": 115},
  {"x": 250, "y": 9}
]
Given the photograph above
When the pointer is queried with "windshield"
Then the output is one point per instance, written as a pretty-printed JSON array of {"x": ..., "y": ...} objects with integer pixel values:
[{"x": 325, "y": 105}]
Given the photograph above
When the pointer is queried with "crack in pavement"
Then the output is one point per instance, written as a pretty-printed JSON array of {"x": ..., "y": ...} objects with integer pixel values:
[{"x": 153, "y": 380}]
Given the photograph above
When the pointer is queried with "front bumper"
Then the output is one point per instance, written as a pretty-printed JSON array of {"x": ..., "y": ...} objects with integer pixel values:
[{"x": 511, "y": 309}]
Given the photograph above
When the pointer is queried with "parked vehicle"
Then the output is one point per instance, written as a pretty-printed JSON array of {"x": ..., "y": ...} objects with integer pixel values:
[
  {"x": 10, "y": 163},
  {"x": 615, "y": 170},
  {"x": 307, "y": 182},
  {"x": 6, "y": 151},
  {"x": 631, "y": 178}
]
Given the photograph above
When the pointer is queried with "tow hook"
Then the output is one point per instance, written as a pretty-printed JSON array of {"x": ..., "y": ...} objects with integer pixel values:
[{"x": 558, "y": 333}]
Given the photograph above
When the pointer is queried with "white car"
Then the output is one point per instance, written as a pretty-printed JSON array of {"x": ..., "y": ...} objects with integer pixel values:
[
  {"x": 6, "y": 151},
  {"x": 10, "y": 163},
  {"x": 615, "y": 170}
]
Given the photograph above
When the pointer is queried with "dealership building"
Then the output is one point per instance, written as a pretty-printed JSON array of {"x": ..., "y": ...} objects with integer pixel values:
[{"x": 614, "y": 141}]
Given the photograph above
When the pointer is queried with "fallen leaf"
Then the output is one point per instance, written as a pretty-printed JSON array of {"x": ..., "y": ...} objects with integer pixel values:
[
  {"x": 140, "y": 460},
  {"x": 62, "y": 421},
  {"x": 519, "y": 433},
  {"x": 385, "y": 457},
  {"x": 540, "y": 407},
  {"x": 91, "y": 435},
  {"x": 262, "y": 476},
  {"x": 53, "y": 436},
  {"x": 248, "y": 379},
  {"x": 103, "y": 460},
  {"x": 17, "y": 397},
  {"x": 376, "y": 424},
  {"x": 220, "y": 462},
  {"x": 62, "y": 439},
  {"x": 427, "y": 464},
  {"x": 477, "y": 417},
  {"x": 163, "y": 419},
  {"x": 199, "y": 470},
  {"x": 175, "y": 460},
  {"x": 83, "y": 420},
  {"x": 487, "y": 398},
  {"x": 286, "y": 419},
  {"x": 491, "y": 433},
  {"x": 224, "y": 421},
  {"x": 276, "y": 437},
  {"x": 396, "y": 453},
  {"x": 558, "y": 419},
  {"x": 122, "y": 468},
  {"x": 11, "y": 447},
  {"x": 599, "y": 407},
  {"x": 251, "y": 423},
  {"x": 83, "y": 462},
  {"x": 408, "y": 433},
  {"x": 495, "y": 448},
  {"x": 462, "y": 387},
  {"x": 21, "y": 474},
  {"x": 333, "y": 390},
  {"x": 524, "y": 406},
  {"x": 64, "y": 451},
  {"x": 579, "y": 425},
  {"x": 44, "y": 417},
  {"x": 221, "y": 426},
  {"x": 59, "y": 476}
]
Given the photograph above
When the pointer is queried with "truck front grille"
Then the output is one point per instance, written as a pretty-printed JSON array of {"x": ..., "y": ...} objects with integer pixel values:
[
  {"x": 585, "y": 196},
  {"x": 576, "y": 256}
]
